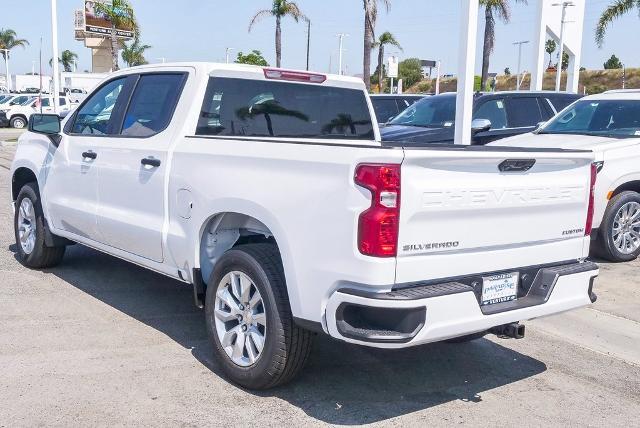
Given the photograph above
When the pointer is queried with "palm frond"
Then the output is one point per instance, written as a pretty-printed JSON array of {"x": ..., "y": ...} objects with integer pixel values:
[
  {"x": 258, "y": 16},
  {"x": 610, "y": 14},
  {"x": 293, "y": 10}
]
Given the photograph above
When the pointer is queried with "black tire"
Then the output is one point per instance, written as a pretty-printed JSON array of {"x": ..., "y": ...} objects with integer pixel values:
[
  {"x": 605, "y": 245},
  {"x": 41, "y": 256},
  {"x": 286, "y": 346},
  {"x": 468, "y": 338},
  {"x": 19, "y": 122}
]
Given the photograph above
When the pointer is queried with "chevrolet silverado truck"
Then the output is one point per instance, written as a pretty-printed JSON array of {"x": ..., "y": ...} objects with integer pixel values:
[
  {"x": 270, "y": 192},
  {"x": 609, "y": 125}
]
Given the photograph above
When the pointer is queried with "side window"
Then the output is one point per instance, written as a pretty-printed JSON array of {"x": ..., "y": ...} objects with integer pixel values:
[
  {"x": 152, "y": 104},
  {"x": 494, "y": 111},
  {"x": 385, "y": 109},
  {"x": 524, "y": 112},
  {"x": 45, "y": 102},
  {"x": 63, "y": 102},
  {"x": 94, "y": 116}
]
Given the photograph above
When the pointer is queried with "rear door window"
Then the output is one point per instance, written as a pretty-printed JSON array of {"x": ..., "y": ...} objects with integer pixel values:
[
  {"x": 254, "y": 108},
  {"x": 152, "y": 104},
  {"x": 524, "y": 112}
]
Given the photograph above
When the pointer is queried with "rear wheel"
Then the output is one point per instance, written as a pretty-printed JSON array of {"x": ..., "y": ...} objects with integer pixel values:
[
  {"x": 249, "y": 319},
  {"x": 18, "y": 122},
  {"x": 29, "y": 226},
  {"x": 619, "y": 233}
]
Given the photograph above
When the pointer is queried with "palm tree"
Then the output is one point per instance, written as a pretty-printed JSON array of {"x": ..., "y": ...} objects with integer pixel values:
[
  {"x": 611, "y": 13},
  {"x": 385, "y": 39},
  {"x": 9, "y": 41},
  {"x": 503, "y": 10},
  {"x": 133, "y": 54},
  {"x": 550, "y": 47},
  {"x": 66, "y": 59},
  {"x": 120, "y": 13},
  {"x": 279, "y": 10},
  {"x": 370, "y": 18}
]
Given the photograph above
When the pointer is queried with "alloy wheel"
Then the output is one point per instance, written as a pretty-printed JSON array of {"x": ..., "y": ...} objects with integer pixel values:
[
  {"x": 27, "y": 226},
  {"x": 625, "y": 231},
  {"x": 240, "y": 318}
]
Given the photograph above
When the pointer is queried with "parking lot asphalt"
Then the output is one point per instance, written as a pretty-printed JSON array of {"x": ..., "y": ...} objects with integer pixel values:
[
  {"x": 98, "y": 341},
  {"x": 9, "y": 134}
]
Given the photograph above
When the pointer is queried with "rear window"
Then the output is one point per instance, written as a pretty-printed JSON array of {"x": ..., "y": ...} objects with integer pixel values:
[{"x": 241, "y": 107}]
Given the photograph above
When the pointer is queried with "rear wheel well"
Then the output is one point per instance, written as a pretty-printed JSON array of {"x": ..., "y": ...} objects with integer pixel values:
[
  {"x": 632, "y": 186},
  {"x": 225, "y": 231},
  {"x": 21, "y": 177}
]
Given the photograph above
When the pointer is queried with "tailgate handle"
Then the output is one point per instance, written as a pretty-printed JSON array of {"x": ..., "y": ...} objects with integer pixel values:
[{"x": 516, "y": 165}]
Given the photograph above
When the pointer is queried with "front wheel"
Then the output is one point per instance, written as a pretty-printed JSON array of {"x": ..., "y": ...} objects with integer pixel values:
[
  {"x": 619, "y": 233},
  {"x": 29, "y": 226},
  {"x": 249, "y": 318},
  {"x": 18, "y": 122}
]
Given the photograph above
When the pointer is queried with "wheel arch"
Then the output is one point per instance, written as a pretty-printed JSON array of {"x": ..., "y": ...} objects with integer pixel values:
[
  {"x": 22, "y": 176},
  {"x": 633, "y": 186},
  {"x": 223, "y": 231}
]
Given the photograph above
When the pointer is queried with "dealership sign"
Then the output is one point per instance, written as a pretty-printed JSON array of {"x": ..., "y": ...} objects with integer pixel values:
[{"x": 97, "y": 23}]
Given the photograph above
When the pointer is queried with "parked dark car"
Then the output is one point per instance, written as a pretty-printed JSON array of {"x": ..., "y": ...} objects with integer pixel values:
[
  {"x": 4, "y": 122},
  {"x": 496, "y": 115},
  {"x": 389, "y": 106}
]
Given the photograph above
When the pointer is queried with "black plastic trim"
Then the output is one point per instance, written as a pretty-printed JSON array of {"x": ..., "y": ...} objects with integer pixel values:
[
  {"x": 199, "y": 288},
  {"x": 313, "y": 326},
  {"x": 379, "y": 325},
  {"x": 413, "y": 293}
]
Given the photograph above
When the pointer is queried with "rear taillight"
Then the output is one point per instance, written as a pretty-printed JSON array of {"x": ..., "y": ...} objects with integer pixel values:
[
  {"x": 592, "y": 191},
  {"x": 378, "y": 225}
]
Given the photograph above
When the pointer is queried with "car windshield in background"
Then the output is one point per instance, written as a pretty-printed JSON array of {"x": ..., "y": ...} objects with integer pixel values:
[
  {"x": 433, "y": 112},
  {"x": 241, "y": 107},
  {"x": 608, "y": 118}
]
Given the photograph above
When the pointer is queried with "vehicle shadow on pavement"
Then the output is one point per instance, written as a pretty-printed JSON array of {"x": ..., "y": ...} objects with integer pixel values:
[{"x": 342, "y": 383}]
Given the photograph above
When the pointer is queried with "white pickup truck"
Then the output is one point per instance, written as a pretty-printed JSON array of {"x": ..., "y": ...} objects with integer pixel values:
[
  {"x": 270, "y": 192},
  {"x": 609, "y": 125}
]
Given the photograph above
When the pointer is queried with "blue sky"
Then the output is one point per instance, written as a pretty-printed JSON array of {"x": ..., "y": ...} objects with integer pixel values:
[{"x": 187, "y": 30}]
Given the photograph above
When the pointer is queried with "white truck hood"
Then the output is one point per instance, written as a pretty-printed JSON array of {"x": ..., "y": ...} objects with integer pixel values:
[{"x": 574, "y": 142}]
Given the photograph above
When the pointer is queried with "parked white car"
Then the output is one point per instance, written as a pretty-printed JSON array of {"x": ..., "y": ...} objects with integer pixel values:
[
  {"x": 18, "y": 115},
  {"x": 270, "y": 192},
  {"x": 609, "y": 125}
]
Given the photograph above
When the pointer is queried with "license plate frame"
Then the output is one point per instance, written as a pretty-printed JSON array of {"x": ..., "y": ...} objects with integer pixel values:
[{"x": 499, "y": 288}]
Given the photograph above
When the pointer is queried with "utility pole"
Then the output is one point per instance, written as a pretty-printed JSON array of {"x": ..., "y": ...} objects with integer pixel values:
[
  {"x": 228, "y": 51},
  {"x": 518, "y": 79},
  {"x": 438, "y": 77},
  {"x": 341, "y": 37},
  {"x": 56, "y": 55},
  {"x": 163, "y": 59},
  {"x": 565, "y": 5},
  {"x": 308, "y": 41}
]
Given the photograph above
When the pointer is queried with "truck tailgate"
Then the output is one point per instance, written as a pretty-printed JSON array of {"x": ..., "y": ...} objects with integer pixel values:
[{"x": 473, "y": 211}]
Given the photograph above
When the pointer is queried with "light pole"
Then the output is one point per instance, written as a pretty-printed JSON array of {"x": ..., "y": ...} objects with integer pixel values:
[
  {"x": 565, "y": 5},
  {"x": 341, "y": 37},
  {"x": 163, "y": 59},
  {"x": 518, "y": 80},
  {"x": 308, "y": 41},
  {"x": 6, "y": 66},
  {"x": 56, "y": 55},
  {"x": 227, "y": 52}
]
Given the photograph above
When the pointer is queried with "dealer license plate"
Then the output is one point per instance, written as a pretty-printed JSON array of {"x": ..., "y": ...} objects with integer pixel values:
[{"x": 500, "y": 288}]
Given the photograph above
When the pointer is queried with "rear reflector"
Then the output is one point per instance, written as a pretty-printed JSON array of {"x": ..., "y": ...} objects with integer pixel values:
[
  {"x": 295, "y": 76},
  {"x": 592, "y": 191},
  {"x": 378, "y": 225}
]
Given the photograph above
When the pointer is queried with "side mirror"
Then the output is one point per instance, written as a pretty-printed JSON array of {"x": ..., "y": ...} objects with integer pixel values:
[
  {"x": 480, "y": 125},
  {"x": 46, "y": 124}
]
